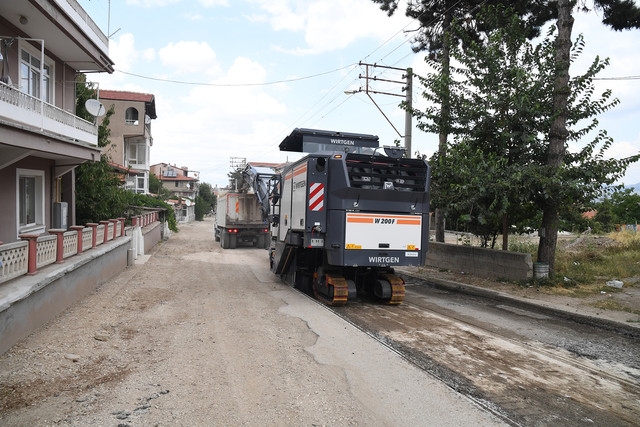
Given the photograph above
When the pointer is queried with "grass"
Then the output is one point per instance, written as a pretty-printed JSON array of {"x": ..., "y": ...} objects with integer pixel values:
[
  {"x": 584, "y": 265},
  {"x": 591, "y": 263}
]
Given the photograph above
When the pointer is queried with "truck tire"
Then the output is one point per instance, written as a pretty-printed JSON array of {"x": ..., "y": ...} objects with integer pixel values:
[
  {"x": 224, "y": 239},
  {"x": 260, "y": 243},
  {"x": 233, "y": 241},
  {"x": 216, "y": 235}
]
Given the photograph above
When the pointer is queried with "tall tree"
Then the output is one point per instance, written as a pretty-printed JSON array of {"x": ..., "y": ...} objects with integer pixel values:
[
  {"x": 206, "y": 192},
  {"x": 617, "y": 14},
  {"x": 435, "y": 18},
  {"x": 496, "y": 173}
]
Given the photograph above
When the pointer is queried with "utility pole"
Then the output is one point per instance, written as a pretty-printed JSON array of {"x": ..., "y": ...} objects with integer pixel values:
[
  {"x": 408, "y": 115},
  {"x": 408, "y": 98}
]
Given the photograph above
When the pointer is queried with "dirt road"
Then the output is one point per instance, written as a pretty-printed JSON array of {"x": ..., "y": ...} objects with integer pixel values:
[{"x": 201, "y": 336}]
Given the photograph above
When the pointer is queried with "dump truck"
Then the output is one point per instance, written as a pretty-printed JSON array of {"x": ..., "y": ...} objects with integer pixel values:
[{"x": 239, "y": 221}]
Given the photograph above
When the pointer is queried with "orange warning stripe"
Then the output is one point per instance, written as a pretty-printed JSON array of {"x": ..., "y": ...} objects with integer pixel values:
[
  {"x": 409, "y": 221},
  {"x": 295, "y": 172},
  {"x": 363, "y": 220}
]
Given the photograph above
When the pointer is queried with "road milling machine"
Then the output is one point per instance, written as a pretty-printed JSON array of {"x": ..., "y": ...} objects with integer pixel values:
[{"x": 344, "y": 215}]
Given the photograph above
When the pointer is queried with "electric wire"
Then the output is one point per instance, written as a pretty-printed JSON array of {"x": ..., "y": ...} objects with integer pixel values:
[{"x": 235, "y": 84}]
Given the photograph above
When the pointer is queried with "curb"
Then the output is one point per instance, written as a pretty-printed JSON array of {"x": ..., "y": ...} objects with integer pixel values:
[{"x": 452, "y": 286}]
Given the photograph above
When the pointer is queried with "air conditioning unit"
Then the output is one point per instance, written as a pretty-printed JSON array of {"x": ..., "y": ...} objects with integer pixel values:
[{"x": 60, "y": 211}]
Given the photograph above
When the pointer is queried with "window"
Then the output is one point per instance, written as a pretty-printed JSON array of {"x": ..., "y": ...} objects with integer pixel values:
[
  {"x": 34, "y": 78},
  {"x": 137, "y": 183},
  {"x": 131, "y": 116},
  {"x": 140, "y": 184},
  {"x": 137, "y": 153},
  {"x": 30, "y": 200}
]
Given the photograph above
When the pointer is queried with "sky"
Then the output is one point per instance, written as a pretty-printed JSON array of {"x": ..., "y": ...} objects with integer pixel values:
[{"x": 233, "y": 78}]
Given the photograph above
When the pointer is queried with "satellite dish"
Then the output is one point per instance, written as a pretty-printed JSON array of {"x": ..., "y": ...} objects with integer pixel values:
[{"x": 94, "y": 107}]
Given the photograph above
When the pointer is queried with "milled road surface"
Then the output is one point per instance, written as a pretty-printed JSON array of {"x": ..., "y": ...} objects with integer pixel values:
[
  {"x": 534, "y": 369},
  {"x": 199, "y": 336}
]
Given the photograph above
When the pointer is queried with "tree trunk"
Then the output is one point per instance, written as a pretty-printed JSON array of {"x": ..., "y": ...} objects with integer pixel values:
[
  {"x": 439, "y": 220},
  {"x": 558, "y": 132},
  {"x": 445, "y": 109},
  {"x": 505, "y": 233}
]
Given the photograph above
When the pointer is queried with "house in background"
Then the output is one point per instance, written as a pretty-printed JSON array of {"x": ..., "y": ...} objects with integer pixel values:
[
  {"x": 178, "y": 180},
  {"x": 130, "y": 138},
  {"x": 44, "y": 44}
]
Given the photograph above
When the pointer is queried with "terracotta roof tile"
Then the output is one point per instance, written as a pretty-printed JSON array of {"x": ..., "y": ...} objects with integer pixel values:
[{"x": 126, "y": 96}]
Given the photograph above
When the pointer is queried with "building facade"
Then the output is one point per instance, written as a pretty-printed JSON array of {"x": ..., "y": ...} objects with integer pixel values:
[
  {"x": 130, "y": 138},
  {"x": 178, "y": 180},
  {"x": 44, "y": 44}
]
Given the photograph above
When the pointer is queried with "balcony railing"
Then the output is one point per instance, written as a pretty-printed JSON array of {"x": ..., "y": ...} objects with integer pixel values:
[
  {"x": 22, "y": 108},
  {"x": 34, "y": 251}
]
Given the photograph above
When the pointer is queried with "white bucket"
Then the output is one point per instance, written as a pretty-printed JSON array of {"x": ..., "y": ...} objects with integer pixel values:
[{"x": 540, "y": 270}]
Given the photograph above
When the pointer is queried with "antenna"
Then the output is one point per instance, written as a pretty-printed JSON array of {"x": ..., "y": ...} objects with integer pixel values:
[{"x": 94, "y": 107}]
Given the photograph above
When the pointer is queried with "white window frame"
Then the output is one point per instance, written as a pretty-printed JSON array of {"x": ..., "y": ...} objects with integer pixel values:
[
  {"x": 47, "y": 62},
  {"x": 135, "y": 160},
  {"x": 141, "y": 181},
  {"x": 38, "y": 226},
  {"x": 137, "y": 183}
]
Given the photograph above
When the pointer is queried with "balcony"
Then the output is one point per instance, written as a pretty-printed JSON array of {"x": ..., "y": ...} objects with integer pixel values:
[{"x": 37, "y": 116}]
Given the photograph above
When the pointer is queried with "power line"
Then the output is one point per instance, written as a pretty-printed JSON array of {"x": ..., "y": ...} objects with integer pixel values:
[
  {"x": 235, "y": 84},
  {"x": 618, "y": 78}
]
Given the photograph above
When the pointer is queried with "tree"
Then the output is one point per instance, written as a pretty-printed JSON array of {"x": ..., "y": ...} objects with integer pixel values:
[
  {"x": 625, "y": 207},
  {"x": 156, "y": 187},
  {"x": 236, "y": 181},
  {"x": 99, "y": 188},
  {"x": 201, "y": 208},
  {"x": 495, "y": 95},
  {"x": 619, "y": 15},
  {"x": 99, "y": 192},
  {"x": 154, "y": 184},
  {"x": 206, "y": 192},
  {"x": 435, "y": 19},
  {"x": 434, "y": 36},
  {"x": 496, "y": 173}
]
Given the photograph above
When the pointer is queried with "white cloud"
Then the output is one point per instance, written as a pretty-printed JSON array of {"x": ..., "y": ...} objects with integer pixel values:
[
  {"x": 328, "y": 25},
  {"x": 123, "y": 52},
  {"x": 190, "y": 57},
  {"x": 290, "y": 15},
  {"x": 213, "y": 3},
  {"x": 151, "y": 3},
  {"x": 207, "y": 125}
]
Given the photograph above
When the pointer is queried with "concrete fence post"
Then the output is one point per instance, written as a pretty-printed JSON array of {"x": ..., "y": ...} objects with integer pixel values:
[
  {"x": 78, "y": 229},
  {"x": 59, "y": 232},
  {"x": 106, "y": 230},
  {"x": 33, "y": 252},
  {"x": 115, "y": 228},
  {"x": 122, "y": 221},
  {"x": 94, "y": 233}
]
